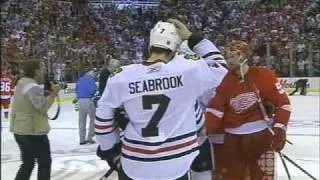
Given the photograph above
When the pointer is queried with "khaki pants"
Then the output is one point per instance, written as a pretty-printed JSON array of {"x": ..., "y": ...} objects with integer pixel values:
[{"x": 86, "y": 107}]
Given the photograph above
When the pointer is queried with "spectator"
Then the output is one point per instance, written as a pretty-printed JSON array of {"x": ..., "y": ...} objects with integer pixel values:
[{"x": 29, "y": 28}]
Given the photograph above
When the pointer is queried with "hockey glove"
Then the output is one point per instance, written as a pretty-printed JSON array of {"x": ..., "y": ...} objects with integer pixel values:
[
  {"x": 121, "y": 118},
  {"x": 270, "y": 108},
  {"x": 76, "y": 104},
  {"x": 279, "y": 139},
  {"x": 182, "y": 29},
  {"x": 112, "y": 156},
  {"x": 75, "y": 100},
  {"x": 95, "y": 100}
]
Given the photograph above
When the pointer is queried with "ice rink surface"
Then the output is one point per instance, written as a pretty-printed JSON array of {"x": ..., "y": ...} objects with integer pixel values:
[{"x": 74, "y": 162}]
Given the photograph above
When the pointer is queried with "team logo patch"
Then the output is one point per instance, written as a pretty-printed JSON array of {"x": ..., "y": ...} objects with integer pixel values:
[
  {"x": 243, "y": 102},
  {"x": 193, "y": 57}
]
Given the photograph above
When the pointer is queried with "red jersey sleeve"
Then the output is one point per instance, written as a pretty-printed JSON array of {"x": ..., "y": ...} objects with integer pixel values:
[
  {"x": 276, "y": 94},
  {"x": 215, "y": 111}
]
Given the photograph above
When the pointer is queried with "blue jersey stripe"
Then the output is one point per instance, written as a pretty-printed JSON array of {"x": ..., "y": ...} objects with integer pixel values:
[{"x": 103, "y": 120}]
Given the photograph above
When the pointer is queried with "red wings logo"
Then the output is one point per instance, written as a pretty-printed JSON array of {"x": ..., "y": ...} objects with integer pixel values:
[{"x": 243, "y": 102}]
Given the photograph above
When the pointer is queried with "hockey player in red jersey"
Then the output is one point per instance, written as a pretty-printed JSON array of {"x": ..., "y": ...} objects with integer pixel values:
[
  {"x": 201, "y": 168},
  {"x": 7, "y": 88},
  {"x": 250, "y": 136}
]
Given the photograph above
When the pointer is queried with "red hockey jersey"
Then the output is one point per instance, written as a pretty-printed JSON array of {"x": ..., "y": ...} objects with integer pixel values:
[
  {"x": 7, "y": 85},
  {"x": 236, "y": 103}
]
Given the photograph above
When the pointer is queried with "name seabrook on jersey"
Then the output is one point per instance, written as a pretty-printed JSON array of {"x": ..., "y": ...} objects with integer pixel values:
[{"x": 155, "y": 84}]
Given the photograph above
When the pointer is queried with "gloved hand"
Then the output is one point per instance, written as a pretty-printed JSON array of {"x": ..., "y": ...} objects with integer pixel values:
[
  {"x": 95, "y": 100},
  {"x": 270, "y": 108},
  {"x": 279, "y": 139},
  {"x": 182, "y": 29},
  {"x": 121, "y": 117},
  {"x": 112, "y": 156},
  {"x": 75, "y": 100},
  {"x": 76, "y": 104}
]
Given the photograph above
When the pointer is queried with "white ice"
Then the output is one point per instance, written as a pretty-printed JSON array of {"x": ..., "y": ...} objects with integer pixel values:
[{"x": 74, "y": 162}]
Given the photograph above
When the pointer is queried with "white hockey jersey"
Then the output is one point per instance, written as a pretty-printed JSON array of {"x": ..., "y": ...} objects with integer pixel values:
[
  {"x": 209, "y": 53},
  {"x": 160, "y": 140}
]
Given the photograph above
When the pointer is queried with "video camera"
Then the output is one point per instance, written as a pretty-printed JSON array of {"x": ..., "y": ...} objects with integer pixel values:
[{"x": 47, "y": 84}]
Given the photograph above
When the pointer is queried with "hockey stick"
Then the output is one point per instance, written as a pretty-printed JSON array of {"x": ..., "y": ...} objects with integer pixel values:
[
  {"x": 289, "y": 142},
  {"x": 264, "y": 112},
  {"x": 112, "y": 168},
  {"x": 285, "y": 166},
  {"x": 212, "y": 154},
  {"x": 268, "y": 122},
  {"x": 263, "y": 109},
  {"x": 110, "y": 171},
  {"x": 297, "y": 166}
]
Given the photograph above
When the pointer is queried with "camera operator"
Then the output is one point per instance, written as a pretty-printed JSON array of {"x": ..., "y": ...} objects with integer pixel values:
[{"x": 29, "y": 120}]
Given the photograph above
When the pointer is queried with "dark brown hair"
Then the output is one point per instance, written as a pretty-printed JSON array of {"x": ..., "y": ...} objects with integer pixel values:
[{"x": 29, "y": 67}]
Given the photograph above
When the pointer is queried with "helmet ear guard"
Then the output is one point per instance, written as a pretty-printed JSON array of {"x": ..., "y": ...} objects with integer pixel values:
[{"x": 164, "y": 35}]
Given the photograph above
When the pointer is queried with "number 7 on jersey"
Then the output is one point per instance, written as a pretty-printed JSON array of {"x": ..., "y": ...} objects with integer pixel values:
[{"x": 147, "y": 100}]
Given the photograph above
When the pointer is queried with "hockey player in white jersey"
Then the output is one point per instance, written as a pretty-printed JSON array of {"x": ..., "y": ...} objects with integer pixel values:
[{"x": 160, "y": 139}]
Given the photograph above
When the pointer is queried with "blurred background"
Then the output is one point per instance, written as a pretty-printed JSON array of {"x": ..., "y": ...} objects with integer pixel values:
[{"x": 71, "y": 36}]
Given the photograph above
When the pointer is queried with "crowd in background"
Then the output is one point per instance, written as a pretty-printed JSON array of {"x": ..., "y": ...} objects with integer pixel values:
[{"x": 72, "y": 38}]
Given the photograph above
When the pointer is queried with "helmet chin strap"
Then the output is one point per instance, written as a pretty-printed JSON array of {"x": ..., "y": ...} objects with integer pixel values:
[{"x": 243, "y": 71}]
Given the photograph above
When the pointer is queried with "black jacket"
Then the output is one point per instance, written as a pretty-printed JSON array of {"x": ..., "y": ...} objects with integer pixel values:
[{"x": 104, "y": 75}]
